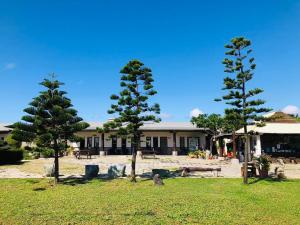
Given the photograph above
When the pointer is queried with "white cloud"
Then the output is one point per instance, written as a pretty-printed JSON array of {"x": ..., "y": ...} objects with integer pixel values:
[
  {"x": 9, "y": 66},
  {"x": 165, "y": 116},
  {"x": 291, "y": 109},
  {"x": 195, "y": 112}
]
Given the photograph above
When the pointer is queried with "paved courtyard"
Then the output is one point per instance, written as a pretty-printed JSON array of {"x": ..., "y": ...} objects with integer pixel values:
[{"x": 70, "y": 166}]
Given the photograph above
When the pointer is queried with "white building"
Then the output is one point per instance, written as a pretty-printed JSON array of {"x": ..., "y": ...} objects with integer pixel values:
[
  {"x": 4, "y": 131},
  {"x": 279, "y": 137},
  {"x": 163, "y": 137}
]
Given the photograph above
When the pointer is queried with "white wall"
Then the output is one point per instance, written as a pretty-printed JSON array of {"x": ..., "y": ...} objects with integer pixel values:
[
  {"x": 3, "y": 136},
  {"x": 167, "y": 134}
]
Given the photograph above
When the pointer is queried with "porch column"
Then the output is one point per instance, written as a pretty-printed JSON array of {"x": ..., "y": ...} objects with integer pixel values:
[
  {"x": 93, "y": 140},
  {"x": 174, "y": 153},
  {"x": 85, "y": 142},
  {"x": 258, "y": 146}
]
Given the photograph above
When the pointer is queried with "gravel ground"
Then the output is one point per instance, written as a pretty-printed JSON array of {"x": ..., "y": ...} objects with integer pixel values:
[{"x": 70, "y": 166}]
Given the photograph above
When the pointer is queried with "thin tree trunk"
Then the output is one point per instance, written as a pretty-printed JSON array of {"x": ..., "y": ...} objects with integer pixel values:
[
  {"x": 233, "y": 145},
  {"x": 56, "y": 164},
  {"x": 56, "y": 167},
  {"x": 133, "y": 160},
  {"x": 246, "y": 156},
  {"x": 133, "y": 163}
]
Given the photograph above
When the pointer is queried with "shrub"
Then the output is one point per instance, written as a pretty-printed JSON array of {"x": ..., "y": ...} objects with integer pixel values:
[
  {"x": 197, "y": 154},
  {"x": 28, "y": 155},
  {"x": 263, "y": 162},
  {"x": 9, "y": 155},
  {"x": 44, "y": 152},
  {"x": 12, "y": 142}
]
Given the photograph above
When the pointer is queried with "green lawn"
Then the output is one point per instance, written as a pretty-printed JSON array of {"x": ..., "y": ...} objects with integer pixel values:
[{"x": 180, "y": 201}]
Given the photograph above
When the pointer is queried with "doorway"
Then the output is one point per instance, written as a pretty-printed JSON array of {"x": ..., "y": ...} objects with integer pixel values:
[
  {"x": 124, "y": 148},
  {"x": 164, "y": 145}
]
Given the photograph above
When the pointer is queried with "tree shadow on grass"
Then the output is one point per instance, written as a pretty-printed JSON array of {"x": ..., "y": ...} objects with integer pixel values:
[
  {"x": 268, "y": 180},
  {"x": 39, "y": 189},
  {"x": 169, "y": 175},
  {"x": 73, "y": 180}
]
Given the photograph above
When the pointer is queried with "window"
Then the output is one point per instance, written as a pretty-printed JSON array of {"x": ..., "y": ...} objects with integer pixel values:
[
  {"x": 123, "y": 143},
  {"x": 114, "y": 142},
  {"x": 148, "y": 142},
  {"x": 193, "y": 143},
  {"x": 89, "y": 142},
  {"x": 96, "y": 142},
  {"x": 155, "y": 142}
]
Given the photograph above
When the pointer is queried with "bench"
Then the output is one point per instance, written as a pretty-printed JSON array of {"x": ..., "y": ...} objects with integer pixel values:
[
  {"x": 148, "y": 152},
  {"x": 186, "y": 170},
  {"x": 80, "y": 153}
]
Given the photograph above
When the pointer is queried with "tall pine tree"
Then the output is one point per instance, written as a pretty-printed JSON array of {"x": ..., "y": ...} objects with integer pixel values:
[
  {"x": 132, "y": 106},
  {"x": 50, "y": 121},
  {"x": 240, "y": 65}
]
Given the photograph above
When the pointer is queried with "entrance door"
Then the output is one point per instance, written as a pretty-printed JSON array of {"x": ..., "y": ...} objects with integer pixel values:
[
  {"x": 124, "y": 148},
  {"x": 164, "y": 145},
  {"x": 155, "y": 142},
  {"x": 113, "y": 145}
]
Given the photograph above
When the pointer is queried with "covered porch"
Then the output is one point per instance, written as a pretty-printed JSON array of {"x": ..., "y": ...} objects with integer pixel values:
[{"x": 161, "y": 142}]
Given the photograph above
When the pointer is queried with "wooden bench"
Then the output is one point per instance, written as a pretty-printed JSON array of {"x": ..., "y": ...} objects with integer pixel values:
[
  {"x": 148, "y": 152},
  {"x": 80, "y": 153},
  {"x": 186, "y": 170}
]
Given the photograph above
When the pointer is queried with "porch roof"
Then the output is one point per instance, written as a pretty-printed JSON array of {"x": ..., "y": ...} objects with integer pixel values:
[
  {"x": 163, "y": 126},
  {"x": 274, "y": 128},
  {"x": 3, "y": 127}
]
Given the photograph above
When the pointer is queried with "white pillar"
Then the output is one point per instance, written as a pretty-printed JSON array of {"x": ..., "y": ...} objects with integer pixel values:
[
  {"x": 85, "y": 142},
  {"x": 158, "y": 138},
  {"x": 258, "y": 146},
  {"x": 93, "y": 138}
]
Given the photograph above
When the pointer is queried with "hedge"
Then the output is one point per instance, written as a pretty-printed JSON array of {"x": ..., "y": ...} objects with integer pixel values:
[{"x": 10, "y": 156}]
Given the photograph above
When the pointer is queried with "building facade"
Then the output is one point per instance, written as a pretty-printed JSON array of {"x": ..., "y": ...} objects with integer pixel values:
[
  {"x": 280, "y": 137},
  {"x": 4, "y": 131},
  {"x": 164, "y": 138}
]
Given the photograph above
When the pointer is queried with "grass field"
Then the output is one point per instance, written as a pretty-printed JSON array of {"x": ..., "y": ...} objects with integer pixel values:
[{"x": 179, "y": 201}]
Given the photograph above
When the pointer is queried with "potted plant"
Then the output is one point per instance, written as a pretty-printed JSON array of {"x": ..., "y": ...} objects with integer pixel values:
[{"x": 263, "y": 164}]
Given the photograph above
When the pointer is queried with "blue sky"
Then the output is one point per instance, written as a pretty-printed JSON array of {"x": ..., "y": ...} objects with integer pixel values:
[{"x": 86, "y": 43}]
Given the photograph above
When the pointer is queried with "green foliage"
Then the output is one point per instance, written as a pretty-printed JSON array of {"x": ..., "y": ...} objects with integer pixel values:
[
  {"x": 12, "y": 142},
  {"x": 232, "y": 121},
  {"x": 238, "y": 63},
  {"x": 197, "y": 154},
  {"x": 44, "y": 152},
  {"x": 50, "y": 120},
  {"x": 263, "y": 162},
  {"x": 9, "y": 154},
  {"x": 28, "y": 155},
  {"x": 213, "y": 122},
  {"x": 131, "y": 106}
]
